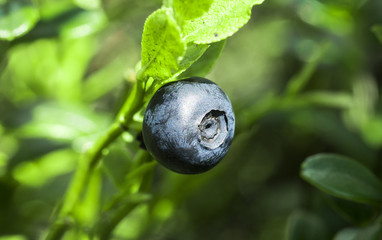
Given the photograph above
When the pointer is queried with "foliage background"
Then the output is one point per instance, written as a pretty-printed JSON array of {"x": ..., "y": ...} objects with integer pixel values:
[{"x": 62, "y": 83}]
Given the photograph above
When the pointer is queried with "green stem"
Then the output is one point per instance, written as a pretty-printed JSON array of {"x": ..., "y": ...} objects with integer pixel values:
[
  {"x": 300, "y": 80},
  {"x": 132, "y": 105},
  {"x": 57, "y": 230},
  {"x": 113, "y": 220},
  {"x": 142, "y": 170},
  {"x": 124, "y": 203},
  {"x": 92, "y": 157},
  {"x": 273, "y": 103},
  {"x": 87, "y": 162}
]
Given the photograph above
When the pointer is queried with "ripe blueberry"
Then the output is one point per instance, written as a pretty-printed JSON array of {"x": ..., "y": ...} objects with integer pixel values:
[{"x": 189, "y": 125}]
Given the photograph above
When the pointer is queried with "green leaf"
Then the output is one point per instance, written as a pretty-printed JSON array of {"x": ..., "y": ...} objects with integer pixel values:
[
  {"x": 357, "y": 213},
  {"x": 342, "y": 177},
  {"x": 222, "y": 20},
  {"x": 197, "y": 61},
  {"x": 63, "y": 122},
  {"x": 17, "y": 17},
  {"x": 88, "y": 4},
  {"x": 52, "y": 69},
  {"x": 205, "y": 63},
  {"x": 13, "y": 237},
  {"x": 162, "y": 46},
  {"x": 38, "y": 172},
  {"x": 346, "y": 234},
  {"x": 84, "y": 24},
  {"x": 193, "y": 53},
  {"x": 190, "y": 9},
  {"x": 373, "y": 232},
  {"x": 95, "y": 85},
  {"x": 377, "y": 29}
]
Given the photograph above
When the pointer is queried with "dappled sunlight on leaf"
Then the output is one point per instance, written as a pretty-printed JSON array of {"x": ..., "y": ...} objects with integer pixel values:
[
  {"x": 17, "y": 17},
  {"x": 84, "y": 24},
  {"x": 38, "y": 172},
  {"x": 329, "y": 17},
  {"x": 62, "y": 122}
]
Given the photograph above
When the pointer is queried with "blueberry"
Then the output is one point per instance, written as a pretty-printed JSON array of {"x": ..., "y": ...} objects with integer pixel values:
[{"x": 189, "y": 125}]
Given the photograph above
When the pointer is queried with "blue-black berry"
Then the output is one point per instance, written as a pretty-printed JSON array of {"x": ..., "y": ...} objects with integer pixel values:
[{"x": 189, "y": 125}]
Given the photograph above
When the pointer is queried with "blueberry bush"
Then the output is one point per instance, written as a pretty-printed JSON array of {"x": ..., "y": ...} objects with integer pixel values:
[{"x": 303, "y": 77}]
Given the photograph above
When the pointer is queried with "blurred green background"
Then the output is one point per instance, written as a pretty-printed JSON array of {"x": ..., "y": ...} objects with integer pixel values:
[{"x": 304, "y": 77}]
